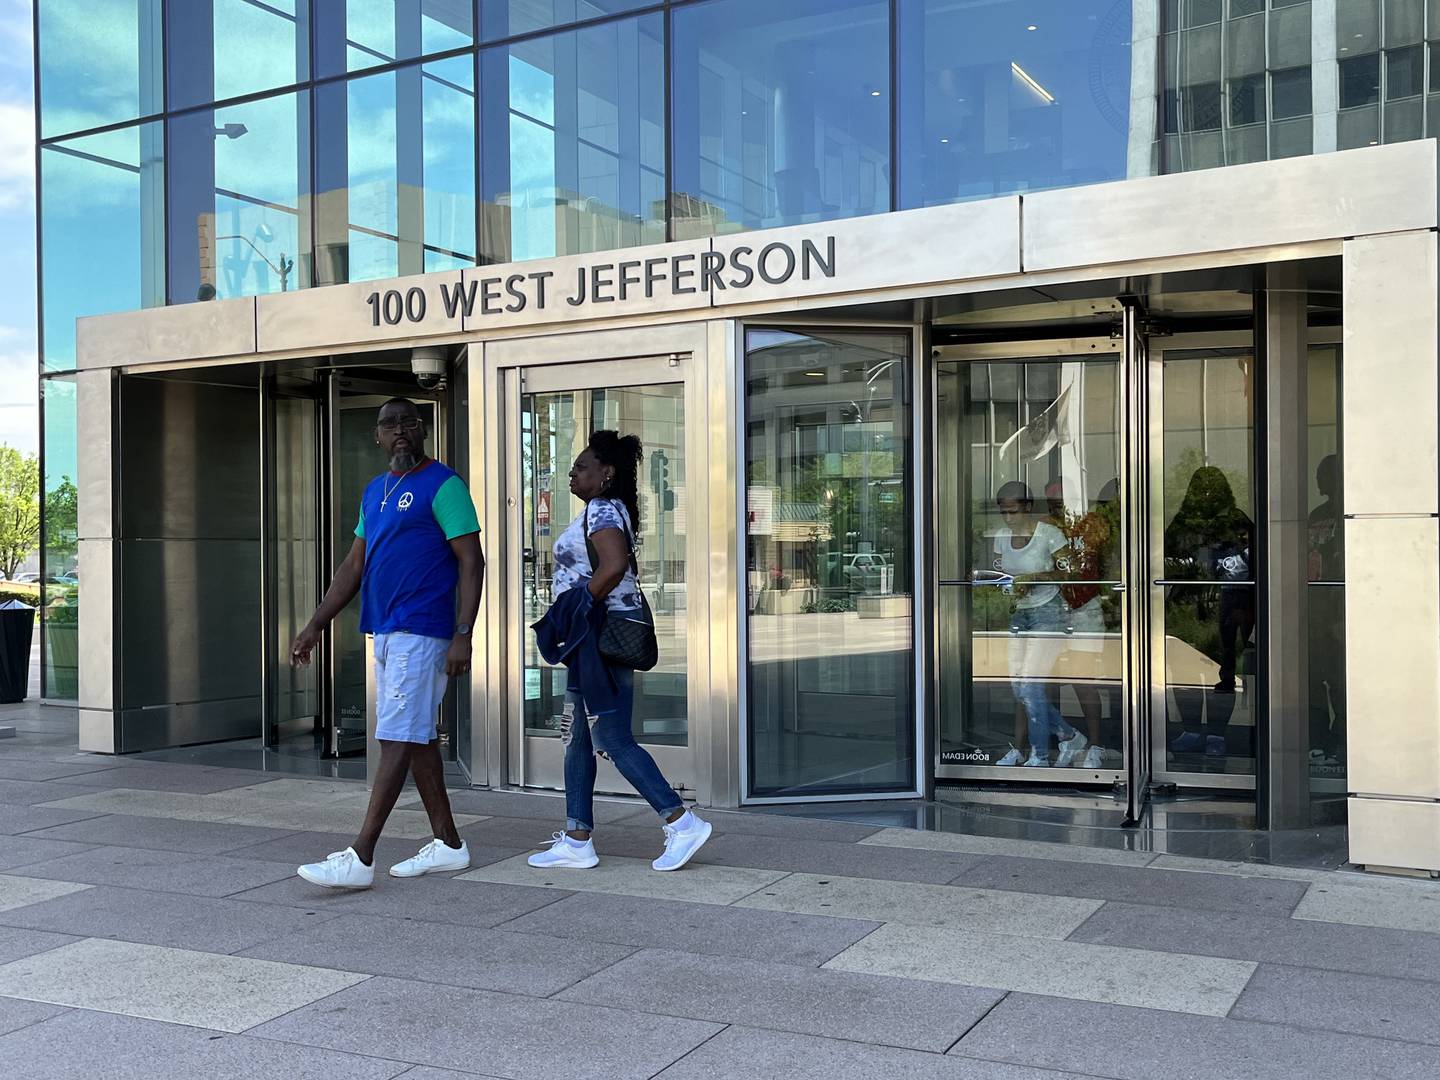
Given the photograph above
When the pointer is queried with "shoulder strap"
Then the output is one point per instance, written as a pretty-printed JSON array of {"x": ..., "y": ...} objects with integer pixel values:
[{"x": 590, "y": 546}]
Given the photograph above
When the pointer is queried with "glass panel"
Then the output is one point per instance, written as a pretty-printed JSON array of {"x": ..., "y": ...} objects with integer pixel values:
[
  {"x": 1290, "y": 35},
  {"x": 1011, "y": 96},
  {"x": 1207, "y": 470},
  {"x": 781, "y": 113},
  {"x": 555, "y": 428},
  {"x": 102, "y": 199},
  {"x": 1404, "y": 72},
  {"x": 99, "y": 63},
  {"x": 60, "y": 587},
  {"x": 1358, "y": 127},
  {"x": 239, "y": 222},
  {"x": 1357, "y": 27},
  {"x": 395, "y": 172},
  {"x": 1290, "y": 93},
  {"x": 1202, "y": 109},
  {"x": 1241, "y": 8},
  {"x": 1247, "y": 101},
  {"x": 829, "y": 563},
  {"x": 1404, "y": 22},
  {"x": 296, "y": 586},
  {"x": 1404, "y": 120},
  {"x": 1028, "y": 484},
  {"x": 509, "y": 18},
  {"x": 1359, "y": 81},
  {"x": 1326, "y": 568},
  {"x": 204, "y": 63},
  {"x": 574, "y": 155},
  {"x": 352, "y": 35}
]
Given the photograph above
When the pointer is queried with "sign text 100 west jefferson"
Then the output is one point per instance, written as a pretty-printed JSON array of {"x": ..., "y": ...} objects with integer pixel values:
[{"x": 608, "y": 282}]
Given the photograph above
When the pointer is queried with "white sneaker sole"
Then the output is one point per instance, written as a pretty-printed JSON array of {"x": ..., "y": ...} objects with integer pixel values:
[
  {"x": 395, "y": 871},
  {"x": 332, "y": 884},
  {"x": 584, "y": 864},
  {"x": 689, "y": 855}
]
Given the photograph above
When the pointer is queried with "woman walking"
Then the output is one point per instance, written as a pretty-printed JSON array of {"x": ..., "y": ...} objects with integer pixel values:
[{"x": 595, "y": 580}]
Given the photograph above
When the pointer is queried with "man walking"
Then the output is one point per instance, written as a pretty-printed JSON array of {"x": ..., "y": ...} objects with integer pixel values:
[{"x": 417, "y": 539}]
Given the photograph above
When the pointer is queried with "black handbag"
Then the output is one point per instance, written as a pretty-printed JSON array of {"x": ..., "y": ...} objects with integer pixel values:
[{"x": 626, "y": 640}]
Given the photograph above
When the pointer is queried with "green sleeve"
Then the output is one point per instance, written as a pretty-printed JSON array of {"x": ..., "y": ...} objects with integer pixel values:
[
  {"x": 454, "y": 510},
  {"x": 360, "y": 524}
]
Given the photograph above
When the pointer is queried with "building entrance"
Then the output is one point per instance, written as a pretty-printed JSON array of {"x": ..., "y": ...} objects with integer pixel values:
[
  {"x": 557, "y": 409},
  {"x": 1096, "y": 556}
]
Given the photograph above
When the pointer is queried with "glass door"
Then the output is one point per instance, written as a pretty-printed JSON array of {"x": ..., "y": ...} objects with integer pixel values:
[
  {"x": 1030, "y": 553},
  {"x": 1203, "y": 567},
  {"x": 555, "y": 411}
]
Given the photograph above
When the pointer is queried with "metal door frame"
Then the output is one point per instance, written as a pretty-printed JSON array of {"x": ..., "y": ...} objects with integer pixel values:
[
  {"x": 600, "y": 359},
  {"x": 1095, "y": 346}
]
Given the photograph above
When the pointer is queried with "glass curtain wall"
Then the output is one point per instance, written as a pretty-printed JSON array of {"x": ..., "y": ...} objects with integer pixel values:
[
  {"x": 103, "y": 206},
  {"x": 509, "y": 18},
  {"x": 574, "y": 141},
  {"x": 1325, "y": 569},
  {"x": 60, "y": 548},
  {"x": 99, "y": 63},
  {"x": 1011, "y": 96},
  {"x": 205, "y": 63},
  {"x": 829, "y": 563},
  {"x": 781, "y": 113},
  {"x": 395, "y": 172},
  {"x": 353, "y": 35},
  {"x": 1382, "y": 50}
]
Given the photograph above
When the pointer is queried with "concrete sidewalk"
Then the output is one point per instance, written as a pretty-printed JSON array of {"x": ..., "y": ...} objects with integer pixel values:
[{"x": 151, "y": 927}]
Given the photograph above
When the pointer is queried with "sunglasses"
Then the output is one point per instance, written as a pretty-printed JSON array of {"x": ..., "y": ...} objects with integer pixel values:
[{"x": 408, "y": 423}]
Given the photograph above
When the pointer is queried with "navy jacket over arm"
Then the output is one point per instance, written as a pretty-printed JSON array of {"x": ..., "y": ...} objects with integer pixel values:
[{"x": 569, "y": 634}]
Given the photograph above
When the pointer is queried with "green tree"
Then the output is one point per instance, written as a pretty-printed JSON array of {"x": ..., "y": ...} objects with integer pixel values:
[
  {"x": 61, "y": 525},
  {"x": 19, "y": 508}
]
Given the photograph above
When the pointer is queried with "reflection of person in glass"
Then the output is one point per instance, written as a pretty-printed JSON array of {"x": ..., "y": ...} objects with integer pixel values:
[
  {"x": 1210, "y": 540},
  {"x": 1091, "y": 554},
  {"x": 1327, "y": 622},
  {"x": 1025, "y": 549}
]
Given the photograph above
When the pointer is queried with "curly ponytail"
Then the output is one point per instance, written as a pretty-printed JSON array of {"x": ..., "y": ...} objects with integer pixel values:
[{"x": 623, "y": 453}]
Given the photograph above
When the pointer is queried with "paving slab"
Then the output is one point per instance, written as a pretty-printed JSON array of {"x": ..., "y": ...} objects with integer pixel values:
[
  {"x": 158, "y": 776},
  {"x": 777, "y": 936},
  {"x": 40, "y": 769},
  {"x": 916, "y": 904},
  {"x": 187, "y": 922},
  {"x": 16, "y": 944},
  {"x": 19, "y": 892},
  {"x": 110, "y": 1046},
  {"x": 19, "y": 851},
  {"x": 730, "y": 822},
  {"x": 908, "y": 1013},
  {"x": 1210, "y": 892},
  {"x": 454, "y": 1028},
  {"x": 425, "y": 1072},
  {"x": 1244, "y": 869},
  {"x": 1140, "y": 1044},
  {"x": 401, "y": 824},
  {"x": 1266, "y": 939},
  {"x": 294, "y": 789},
  {"x": 16, "y": 1014},
  {"x": 458, "y": 955},
  {"x": 831, "y": 857},
  {"x": 161, "y": 834},
  {"x": 160, "y": 871},
  {"x": 1334, "y": 1001},
  {"x": 548, "y": 810},
  {"x": 1414, "y": 906},
  {"x": 697, "y": 883},
  {"x": 969, "y": 844},
  {"x": 1190, "y": 984},
  {"x": 739, "y": 1053},
  {"x": 294, "y": 848},
  {"x": 15, "y": 820},
  {"x": 178, "y": 986},
  {"x": 180, "y": 805},
  {"x": 436, "y": 898},
  {"x": 31, "y": 793}
]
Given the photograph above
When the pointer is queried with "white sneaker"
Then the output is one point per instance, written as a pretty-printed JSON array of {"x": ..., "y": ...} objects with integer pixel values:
[
  {"x": 1094, "y": 758},
  {"x": 682, "y": 840},
  {"x": 436, "y": 855},
  {"x": 340, "y": 870},
  {"x": 1036, "y": 760},
  {"x": 1012, "y": 758},
  {"x": 563, "y": 851},
  {"x": 1070, "y": 749}
]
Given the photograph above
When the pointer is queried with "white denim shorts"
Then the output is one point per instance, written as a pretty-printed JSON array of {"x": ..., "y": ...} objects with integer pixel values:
[{"x": 410, "y": 683}]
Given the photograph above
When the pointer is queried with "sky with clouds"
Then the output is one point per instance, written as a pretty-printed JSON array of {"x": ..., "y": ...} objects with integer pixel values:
[{"x": 18, "y": 388}]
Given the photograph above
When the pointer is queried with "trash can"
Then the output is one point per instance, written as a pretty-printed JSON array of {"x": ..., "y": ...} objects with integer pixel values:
[{"x": 17, "y": 627}]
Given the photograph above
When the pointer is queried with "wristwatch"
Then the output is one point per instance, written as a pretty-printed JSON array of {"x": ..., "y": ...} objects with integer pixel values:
[{"x": 464, "y": 630}]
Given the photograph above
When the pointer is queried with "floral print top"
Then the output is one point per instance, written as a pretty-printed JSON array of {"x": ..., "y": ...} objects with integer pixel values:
[{"x": 572, "y": 561}]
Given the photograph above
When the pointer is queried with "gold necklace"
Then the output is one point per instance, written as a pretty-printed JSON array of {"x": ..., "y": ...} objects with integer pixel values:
[{"x": 392, "y": 489}]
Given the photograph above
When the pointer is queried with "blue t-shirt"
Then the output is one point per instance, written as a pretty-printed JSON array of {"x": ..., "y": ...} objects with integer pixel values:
[{"x": 407, "y": 523}]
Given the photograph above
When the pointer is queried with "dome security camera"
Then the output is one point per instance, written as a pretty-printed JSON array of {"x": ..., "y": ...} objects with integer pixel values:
[{"x": 428, "y": 364}]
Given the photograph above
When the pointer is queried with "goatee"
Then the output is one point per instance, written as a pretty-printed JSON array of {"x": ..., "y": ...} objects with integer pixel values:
[{"x": 403, "y": 461}]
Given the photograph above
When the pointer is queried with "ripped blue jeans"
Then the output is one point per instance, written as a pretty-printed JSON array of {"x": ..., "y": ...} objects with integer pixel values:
[{"x": 610, "y": 735}]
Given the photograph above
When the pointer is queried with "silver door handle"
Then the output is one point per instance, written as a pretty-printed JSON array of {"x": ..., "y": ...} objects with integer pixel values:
[{"x": 1119, "y": 586}]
